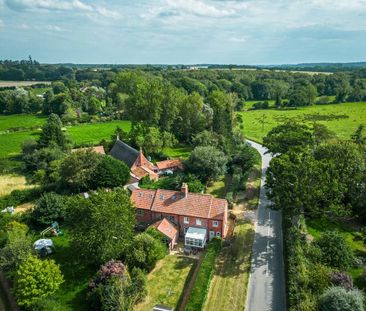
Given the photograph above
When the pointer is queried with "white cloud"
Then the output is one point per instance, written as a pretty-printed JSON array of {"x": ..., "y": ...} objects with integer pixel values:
[
  {"x": 238, "y": 39},
  {"x": 60, "y": 5}
]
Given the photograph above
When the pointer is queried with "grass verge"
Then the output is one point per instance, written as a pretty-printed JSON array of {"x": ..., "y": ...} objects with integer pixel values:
[{"x": 202, "y": 283}]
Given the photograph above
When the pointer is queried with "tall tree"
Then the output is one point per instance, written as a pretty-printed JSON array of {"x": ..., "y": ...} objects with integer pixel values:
[
  {"x": 52, "y": 134},
  {"x": 102, "y": 226}
]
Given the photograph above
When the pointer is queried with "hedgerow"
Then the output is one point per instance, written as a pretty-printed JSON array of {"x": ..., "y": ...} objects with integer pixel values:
[{"x": 204, "y": 276}]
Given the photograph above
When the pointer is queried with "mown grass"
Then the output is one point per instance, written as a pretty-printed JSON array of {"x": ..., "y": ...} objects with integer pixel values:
[
  {"x": 230, "y": 280},
  {"x": 217, "y": 188},
  {"x": 20, "y": 121},
  {"x": 73, "y": 291},
  {"x": 93, "y": 133},
  {"x": 316, "y": 227},
  {"x": 201, "y": 285},
  {"x": 343, "y": 119},
  {"x": 166, "y": 282},
  {"x": 178, "y": 152}
]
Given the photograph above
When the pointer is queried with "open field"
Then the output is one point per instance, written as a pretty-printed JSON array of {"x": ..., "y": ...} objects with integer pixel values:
[
  {"x": 166, "y": 282},
  {"x": 21, "y": 83},
  {"x": 8, "y": 183},
  {"x": 343, "y": 119},
  {"x": 20, "y": 121},
  {"x": 316, "y": 227},
  {"x": 93, "y": 133},
  {"x": 10, "y": 143}
]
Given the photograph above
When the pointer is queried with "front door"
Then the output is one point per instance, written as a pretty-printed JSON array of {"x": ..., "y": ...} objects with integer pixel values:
[{"x": 212, "y": 234}]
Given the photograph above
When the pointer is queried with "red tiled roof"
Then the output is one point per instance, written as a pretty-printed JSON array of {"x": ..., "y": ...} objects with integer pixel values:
[
  {"x": 97, "y": 149},
  {"x": 174, "y": 202},
  {"x": 166, "y": 228},
  {"x": 174, "y": 163}
]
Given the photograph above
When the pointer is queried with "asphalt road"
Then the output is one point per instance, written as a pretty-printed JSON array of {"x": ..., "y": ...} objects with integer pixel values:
[{"x": 266, "y": 288}]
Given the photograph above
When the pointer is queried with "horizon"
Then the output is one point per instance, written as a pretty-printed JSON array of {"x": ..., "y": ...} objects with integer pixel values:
[{"x": 241, "y": 32}]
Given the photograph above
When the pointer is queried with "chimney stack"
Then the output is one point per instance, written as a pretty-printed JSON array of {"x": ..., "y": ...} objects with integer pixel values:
[{"x": 184, "y": 189}]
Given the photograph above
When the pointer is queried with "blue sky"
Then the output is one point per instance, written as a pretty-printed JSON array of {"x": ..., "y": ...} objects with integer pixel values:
[{"x": 184, "y": 31}]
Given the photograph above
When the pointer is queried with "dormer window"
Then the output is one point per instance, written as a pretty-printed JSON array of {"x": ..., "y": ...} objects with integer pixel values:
[
  {"x": 161, "y": 196},
  {"x": 140, "y": 194}
]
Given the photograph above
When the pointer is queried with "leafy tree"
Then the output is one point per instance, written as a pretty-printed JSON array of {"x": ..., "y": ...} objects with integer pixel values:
[
  {"x": 36, "y": 279},
  {"x": 145, "y": 251},
  {"x": 52, "y": 134},
  {"x": 112, "y": 268},
  {"x": 205, "y": 138},
  {"x": 102, "y": 225},
  {"x": 76, "y": 170},
  {"x": 207, "y": 163},
  {"x": 335, "y": 251},
  {"x": 17, "y": 248},
  {"x": 299, "y": 184},
  {"x": 110, "y": 173},
  {"x": 49, "y": 207},
  {"x": 322, "y": 134},
  {"x": 339, "y": 299},
  {"x": 244, "y": 157},
  {"x": 303, "y": 94},
  {"x": 287, "y": 136}
]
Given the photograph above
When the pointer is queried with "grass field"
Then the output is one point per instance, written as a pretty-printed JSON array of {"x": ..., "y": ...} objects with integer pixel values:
[
  {"x": 93, "y": 133},
  {"x": 316, "y": 227},
  {"x": 166, "y": 282},
  {"x": 10, "y": 143},
  {"x": 20, "y": 120},
  {"x": 343, "y": 119},
  {"x": 8, "y": 183},
  {"x": 21, "y": 83}
]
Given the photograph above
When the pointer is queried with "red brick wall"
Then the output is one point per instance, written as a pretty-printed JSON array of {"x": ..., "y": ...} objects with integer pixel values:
[
  {"x": 144, "y": 217},
  {"x": 151, "y": 217}
]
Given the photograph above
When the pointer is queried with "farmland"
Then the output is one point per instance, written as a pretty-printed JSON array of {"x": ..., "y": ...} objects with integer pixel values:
[
  {"x": 21, "y": 83},
  {"x": 10, "y": 143},
  {"x": 343, "y": 119}
]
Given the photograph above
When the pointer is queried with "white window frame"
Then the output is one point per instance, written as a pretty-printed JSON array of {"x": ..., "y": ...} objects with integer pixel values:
[
  {"x": 215, "y": 223},
  {"x": 198, "y": 222},
  {"x": 186, "y": 220},
  {"x": 218, "y": 234}
]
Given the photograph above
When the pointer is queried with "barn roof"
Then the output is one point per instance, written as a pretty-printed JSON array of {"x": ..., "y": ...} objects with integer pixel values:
[{"x": 124, "y": 152}]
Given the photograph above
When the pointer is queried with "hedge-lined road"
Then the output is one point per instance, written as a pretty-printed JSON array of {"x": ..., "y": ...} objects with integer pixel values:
[{"x": 266, "y": 290}]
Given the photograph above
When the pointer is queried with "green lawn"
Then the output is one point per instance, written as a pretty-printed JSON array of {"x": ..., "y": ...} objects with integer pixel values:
[
  {"x": 230, "y": 280},
  {"x": 178, "y": 152},
  {"x": 40, "y": 90},
  {"x": 353, "y": 238},
  {"x": 340, "y": 118},
  {"x": 72, "y": 292},
  {"x": 217, "y": 188},
  {"x": 93, "y": 133},
  {"x": 166, "y": 282},
  {"x": 20, "y": 120}
]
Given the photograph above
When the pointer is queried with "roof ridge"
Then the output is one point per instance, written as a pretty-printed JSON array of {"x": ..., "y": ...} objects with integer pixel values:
[{"x": 209, "y": 210}]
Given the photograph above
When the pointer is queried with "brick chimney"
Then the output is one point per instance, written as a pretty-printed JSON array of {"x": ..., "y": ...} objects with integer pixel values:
[{"x": 184, "y": 189}]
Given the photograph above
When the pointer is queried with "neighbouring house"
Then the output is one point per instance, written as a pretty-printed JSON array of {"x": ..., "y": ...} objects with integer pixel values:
[
  {"x": 97, "y": 149},
  {"x": 169, "y": 230},
  {"x": 139, "y": 165},
  {"x": 169, "y": 166},
  {"x": 185, "y": 210}
]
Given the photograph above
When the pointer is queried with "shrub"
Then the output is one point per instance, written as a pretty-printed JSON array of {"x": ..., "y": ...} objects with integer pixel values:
[
  {"x": 112, "y": 268},
  {"x": 35, "y": 279},
  {"x": 204, "y": 276},
  {"x": 339, "y": 299},
  {"x": 145, "y": 251},
  {"x": 342, "y": 279},
  {"x": 335, "y": 251},
  {"x": 319, "y": 278},
  {"x": 49, "y": 208}
]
